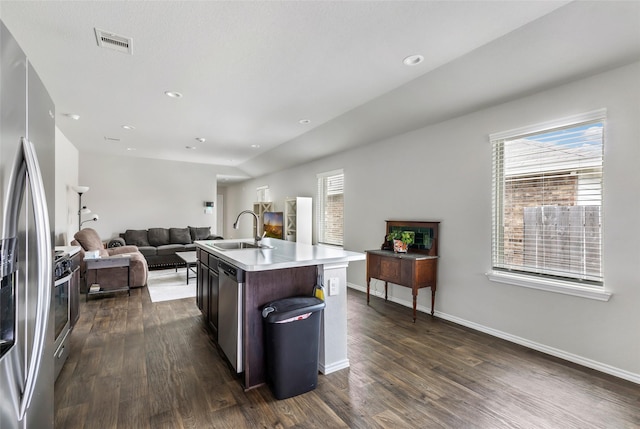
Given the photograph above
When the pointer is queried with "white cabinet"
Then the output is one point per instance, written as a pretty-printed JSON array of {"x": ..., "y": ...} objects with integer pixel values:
[{"x": 298, "y": 219}]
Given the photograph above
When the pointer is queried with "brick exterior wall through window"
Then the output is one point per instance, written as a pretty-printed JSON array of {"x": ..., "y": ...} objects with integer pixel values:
[
  {"x": 333, "y": 215},
  {"x": 532, "y": 191}
]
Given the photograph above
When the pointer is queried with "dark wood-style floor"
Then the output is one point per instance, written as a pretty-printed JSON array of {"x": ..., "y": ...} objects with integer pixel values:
[{"x": 138, "y": 364}]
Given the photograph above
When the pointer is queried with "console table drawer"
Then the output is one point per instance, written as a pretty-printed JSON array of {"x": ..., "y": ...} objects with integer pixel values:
[{"x": 390, "y": 269}]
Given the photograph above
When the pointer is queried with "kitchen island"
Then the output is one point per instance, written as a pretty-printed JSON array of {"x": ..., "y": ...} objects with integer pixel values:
[{"x": 235, "y": 283}]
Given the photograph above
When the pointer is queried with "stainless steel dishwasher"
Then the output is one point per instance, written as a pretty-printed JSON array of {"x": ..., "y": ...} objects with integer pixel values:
[{"x": 230, "y": 313}]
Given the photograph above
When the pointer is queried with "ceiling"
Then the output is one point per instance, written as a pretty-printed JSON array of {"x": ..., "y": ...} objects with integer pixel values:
[{"x": 249, "y": 72}]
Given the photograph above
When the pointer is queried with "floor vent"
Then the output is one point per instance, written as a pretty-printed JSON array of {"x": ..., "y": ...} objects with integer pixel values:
[{"x": 114, "y": 41}]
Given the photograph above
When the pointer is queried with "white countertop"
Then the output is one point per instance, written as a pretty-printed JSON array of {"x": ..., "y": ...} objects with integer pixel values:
[
  {"x": 71, "y": 250},
  {"x": 284, "y": 254}
]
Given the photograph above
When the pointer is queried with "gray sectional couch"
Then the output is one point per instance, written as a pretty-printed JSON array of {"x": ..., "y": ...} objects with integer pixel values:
[{"x": 159, "y": 245}]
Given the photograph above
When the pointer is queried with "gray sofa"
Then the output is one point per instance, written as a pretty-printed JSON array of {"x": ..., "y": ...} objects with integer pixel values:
[{"x": 159, "y": 245}]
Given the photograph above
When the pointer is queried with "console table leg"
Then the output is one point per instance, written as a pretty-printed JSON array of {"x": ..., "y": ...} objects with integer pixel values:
[
  {"x": 368, "y": 282},
  {"x": 433, "y": 299},
  {"x": 385, "y": 290},
  {"x": 415, "y": 300}
]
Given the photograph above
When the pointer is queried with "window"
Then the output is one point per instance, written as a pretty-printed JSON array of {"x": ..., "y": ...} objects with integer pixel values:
[
  {"x": 547, "y": 200},
  {"x": 330, "y": 210},
  {"x": 263, "y": 194}
]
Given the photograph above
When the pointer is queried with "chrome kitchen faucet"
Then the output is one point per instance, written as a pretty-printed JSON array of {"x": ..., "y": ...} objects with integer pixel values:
[{"x": 258, "y": 238}]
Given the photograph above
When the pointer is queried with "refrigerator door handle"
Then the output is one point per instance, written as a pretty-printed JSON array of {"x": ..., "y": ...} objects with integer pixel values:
[{"x": 45, "y": 267}]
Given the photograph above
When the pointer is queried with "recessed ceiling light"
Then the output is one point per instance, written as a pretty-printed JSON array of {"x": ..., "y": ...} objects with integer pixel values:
[
  {"x": 201, "y": 139},
  {"x": 111, "y": 139},
  {"x": 173, "y": 94},
  {"x": 255, "y": 146},
  {"x": 131, "y": 148},
  {"x": 72, "y": 116},
  {"x": 305, "y": 121},
  {"x": 190, "y": 147},
  {"x": 413, "y": 60},
  {"x": 128, "y": 127}
]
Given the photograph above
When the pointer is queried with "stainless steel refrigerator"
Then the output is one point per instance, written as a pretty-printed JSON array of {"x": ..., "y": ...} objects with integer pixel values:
[{"x": 27, "y": 135}]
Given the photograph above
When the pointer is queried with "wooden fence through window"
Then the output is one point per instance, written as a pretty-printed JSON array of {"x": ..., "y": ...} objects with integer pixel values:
[{"x": 563, "y": 238}]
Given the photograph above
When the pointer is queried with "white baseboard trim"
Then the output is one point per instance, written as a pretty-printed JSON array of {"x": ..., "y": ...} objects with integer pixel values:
[
  {"x": 333, "y": 367},
  {"x": 589, "y": 363}
]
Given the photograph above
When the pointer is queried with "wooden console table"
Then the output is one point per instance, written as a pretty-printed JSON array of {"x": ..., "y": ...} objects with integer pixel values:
[
  {"x": 416, "y": 269},
  {"x": 95, "y": 264}
]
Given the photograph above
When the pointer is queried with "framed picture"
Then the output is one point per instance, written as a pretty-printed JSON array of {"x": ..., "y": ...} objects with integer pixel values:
[{"x": 273, "y": 226}]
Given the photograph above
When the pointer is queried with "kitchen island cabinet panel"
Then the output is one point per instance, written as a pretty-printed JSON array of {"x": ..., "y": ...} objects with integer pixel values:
[
  {"x": 207, "y": 289},
  {"x": 201, "y": 275},
  {"x": 202, "y": 289},
  {"x": 201, "y": 269},
  {"x": 262, "y": 287},
  {"x": 214, "y": 293}
]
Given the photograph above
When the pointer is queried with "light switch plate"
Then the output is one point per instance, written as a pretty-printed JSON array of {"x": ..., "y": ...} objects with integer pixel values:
[{"x": 334, "y": 286}]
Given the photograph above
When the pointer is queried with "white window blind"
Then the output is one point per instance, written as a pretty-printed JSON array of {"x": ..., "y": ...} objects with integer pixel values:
[
  {"x": 547, "y": 199},
  {"x": 330, "y": 210}
]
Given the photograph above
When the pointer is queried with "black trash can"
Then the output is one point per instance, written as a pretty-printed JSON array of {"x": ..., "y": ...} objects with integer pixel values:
[{"x": 292, "y": 336}]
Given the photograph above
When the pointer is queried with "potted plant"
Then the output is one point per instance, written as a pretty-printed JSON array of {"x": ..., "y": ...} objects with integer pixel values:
[{"x": 401, "y": 240}]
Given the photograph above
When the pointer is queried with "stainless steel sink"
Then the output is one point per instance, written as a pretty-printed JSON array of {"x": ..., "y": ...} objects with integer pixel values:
[
  {"x": 237, "y": 245},
  {"x": 234, "y": 245}
]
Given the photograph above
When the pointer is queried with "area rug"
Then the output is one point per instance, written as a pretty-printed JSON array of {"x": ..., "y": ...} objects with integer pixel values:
[{"x": 167, "y": 285}]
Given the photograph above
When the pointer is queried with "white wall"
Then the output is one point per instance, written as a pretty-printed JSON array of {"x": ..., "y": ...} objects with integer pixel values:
[
  {"x": 138, "y": 193},
  {"x": 443, "y": 172},
  {"x": 66, "y": 210},
  {"x": 242, "y": 196}
]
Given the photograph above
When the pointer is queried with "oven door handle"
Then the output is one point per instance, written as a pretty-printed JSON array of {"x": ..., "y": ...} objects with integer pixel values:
[{"x": 63, "y": 280}]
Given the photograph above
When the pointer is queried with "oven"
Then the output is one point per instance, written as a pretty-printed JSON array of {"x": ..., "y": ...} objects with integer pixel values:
[{"x": 63, "y": 270}]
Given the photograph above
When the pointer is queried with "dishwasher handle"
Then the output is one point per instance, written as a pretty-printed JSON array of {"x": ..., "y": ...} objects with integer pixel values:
[
  {"x": 226, "y": 268},
  {"x": 230, "y": 271}
]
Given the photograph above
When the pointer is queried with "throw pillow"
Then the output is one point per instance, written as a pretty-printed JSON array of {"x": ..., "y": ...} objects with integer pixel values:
[
  {"x": 116, "y": 242},
  {"x": 136, "y": 237},
  {"x": 179, "y": 236},
  {"x": 200, "y": 232},
  {"x": 159, "y": 236}
]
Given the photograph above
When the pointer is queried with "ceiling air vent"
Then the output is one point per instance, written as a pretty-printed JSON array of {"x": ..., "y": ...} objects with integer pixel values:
[{"x": 114, "y": 41}]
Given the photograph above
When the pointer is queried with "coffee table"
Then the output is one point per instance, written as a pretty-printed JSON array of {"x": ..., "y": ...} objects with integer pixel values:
[{"x": 190, "y": 261}]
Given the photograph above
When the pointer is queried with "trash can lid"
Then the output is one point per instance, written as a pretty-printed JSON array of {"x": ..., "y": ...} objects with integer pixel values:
[{"x": 286, "y": 308}]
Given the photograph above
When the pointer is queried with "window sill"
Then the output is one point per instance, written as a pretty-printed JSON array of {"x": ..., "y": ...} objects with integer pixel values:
[{"x": 549, "y": 285}]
